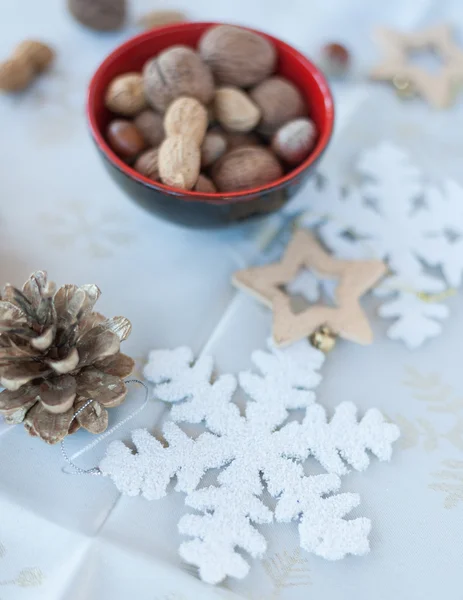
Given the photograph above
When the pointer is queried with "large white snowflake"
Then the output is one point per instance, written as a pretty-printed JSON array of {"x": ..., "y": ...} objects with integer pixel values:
[
  {"x": 255, "y": 449},
  {"x": 395, "y": 216}
]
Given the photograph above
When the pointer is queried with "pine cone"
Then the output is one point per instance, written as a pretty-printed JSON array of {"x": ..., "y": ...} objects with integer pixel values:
[{"x": 55, "y": 354}]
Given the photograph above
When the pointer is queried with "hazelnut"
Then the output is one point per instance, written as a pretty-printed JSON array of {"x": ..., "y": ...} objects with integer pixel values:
[
  {"x": 179, "y": 162},
  {"x": 335, "y": 59},
  {"x": 279, "y": 101},
  {"x": 15, "y": 75},
  {"x": 214, "y": 145},
  {"x": 147, "y": 164},
  {"x": 205, "y": 185},
  {"x": 125, "y": 95},
  {"x": 102, "y": 15},
  {"x": 237, "y": 56},
  {"x": 37, "y": 54},
  {"x": 125, "y": 139},
  {"x": 187, "y": 117},
  {"x": 177, "y": 71},
  {"x": 234, "y": 110},
  {"x": 244, "y": 168},
  {"x": 150, "y": 124},
  {"x": 295, "y": 140}
]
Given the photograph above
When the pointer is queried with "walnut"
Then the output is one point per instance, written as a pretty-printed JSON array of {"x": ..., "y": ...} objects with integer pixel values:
[
  {"x": 237, "y": 56},
  {"x": 102, "y": 15},
  {"x": 279, "y": 101},
  {"x": 125, "y": 95},
  {"x": 177, "y": 71},
  {"x": 244, "y": 168}
]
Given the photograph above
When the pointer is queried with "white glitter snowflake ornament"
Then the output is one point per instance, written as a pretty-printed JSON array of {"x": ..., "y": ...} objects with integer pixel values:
[
  {"x": 396, "y": 216},
  {"x": 258, "y": 448}
]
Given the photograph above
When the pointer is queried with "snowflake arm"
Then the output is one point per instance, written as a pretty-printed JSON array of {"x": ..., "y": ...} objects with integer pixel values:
[
  {"x": 417, "y": 320},
  {"x": 149, "y": 470},
  {"x": 225, "y": 524}
]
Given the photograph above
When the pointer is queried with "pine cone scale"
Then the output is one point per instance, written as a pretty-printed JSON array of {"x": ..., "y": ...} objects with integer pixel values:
[
  {"x": 106, "y": 389},
  {"x": 119, "y": 365},
  {"x": 52, "y": 428},
  {"x": 97, "y": 344},
  {"x": 57, "y": 395},
  {"x": 13, "y": 376},
  {"x": 66, "y": 365},
  {"x": 94, "y": 418},
  {"x": 10, "y": 402}
]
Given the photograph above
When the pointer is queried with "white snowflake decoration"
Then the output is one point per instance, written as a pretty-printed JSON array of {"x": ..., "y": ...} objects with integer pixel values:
[
  {"x": 252, "y": 449},
  {"x": 393, "y": 215}
]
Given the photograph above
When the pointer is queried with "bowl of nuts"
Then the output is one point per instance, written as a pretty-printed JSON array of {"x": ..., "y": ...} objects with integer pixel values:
[{"x": 207, "y": 124}]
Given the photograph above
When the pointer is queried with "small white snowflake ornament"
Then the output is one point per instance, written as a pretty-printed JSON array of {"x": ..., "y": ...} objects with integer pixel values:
[
  {"x": 259, "y": 447},
  {"x": 396, "y": 216}
]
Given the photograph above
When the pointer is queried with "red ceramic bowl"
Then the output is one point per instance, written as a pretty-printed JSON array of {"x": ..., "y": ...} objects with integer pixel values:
[{"x": 192, "y": 208}]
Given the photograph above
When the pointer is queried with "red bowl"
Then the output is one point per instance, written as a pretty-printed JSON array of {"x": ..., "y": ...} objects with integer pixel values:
[{"x": 196, "y": 209}]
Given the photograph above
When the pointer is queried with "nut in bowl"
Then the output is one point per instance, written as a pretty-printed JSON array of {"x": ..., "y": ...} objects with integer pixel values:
[{"x": 226, "y": 150}]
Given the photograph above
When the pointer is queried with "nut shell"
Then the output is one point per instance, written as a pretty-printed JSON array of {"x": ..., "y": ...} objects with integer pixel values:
[
  {"x": 214, "y": 145},
  {"x": 125, "y": 95},
  {"x": 244, "y": 168},
  {"x": 102, "y": 15},
  {"x": 15, "y": 75},
  {"x": 37, "y": 54},
  {"x": 279, "y": 101},
  {"x": 177, "y": 71},
  {"x": 179, "y": 162},
  {"x": 150, "y": 124},
  {"x": 205, "y": 185},
  {"x": 235, "y": 110},
  {"x": 125, "y": 139},
  {"x": 237, "y": 56},
  {"x": 187, "y": 117},
  {"x": 235, "y": 140},
  {"x": 148, "y": 164},
  {"x": 293, "y": 142}
]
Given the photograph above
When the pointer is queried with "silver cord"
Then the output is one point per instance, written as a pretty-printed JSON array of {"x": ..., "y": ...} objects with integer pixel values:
[{"x": 95, "y": 470}]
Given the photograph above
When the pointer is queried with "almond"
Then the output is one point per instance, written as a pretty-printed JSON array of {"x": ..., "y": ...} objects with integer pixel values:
[
  {"x": 187, "y": 117},
  {"x": 235, "y": 110},
  {"x": 179, "y": 162}
]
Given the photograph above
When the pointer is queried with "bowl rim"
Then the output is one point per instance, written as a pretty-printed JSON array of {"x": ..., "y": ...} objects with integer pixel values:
[{"x": 218, "y": 197}]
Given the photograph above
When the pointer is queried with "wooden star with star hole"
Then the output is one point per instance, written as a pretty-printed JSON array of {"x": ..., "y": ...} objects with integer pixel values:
[
  {"x": 345, "y": 319},
  {"x": 437, "y": 88}
]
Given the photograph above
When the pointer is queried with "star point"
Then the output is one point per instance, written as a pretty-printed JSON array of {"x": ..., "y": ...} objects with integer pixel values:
[
  {"x": 437, "y": 88},
  {"x": 346, "y": 319}
]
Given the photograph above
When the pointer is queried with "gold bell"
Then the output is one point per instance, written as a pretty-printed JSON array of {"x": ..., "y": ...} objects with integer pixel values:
[
  {"x": 323, "y": 339},
  {"x": 403, "y": 87}
]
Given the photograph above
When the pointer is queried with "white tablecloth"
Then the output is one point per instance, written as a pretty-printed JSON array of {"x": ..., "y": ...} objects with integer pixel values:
[{"x": 73, "y": 537}]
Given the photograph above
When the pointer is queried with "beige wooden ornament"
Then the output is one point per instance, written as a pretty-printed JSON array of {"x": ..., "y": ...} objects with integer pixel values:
[
  {"x": 437, "y": 88},
  {"x": 346, "y": 319}
]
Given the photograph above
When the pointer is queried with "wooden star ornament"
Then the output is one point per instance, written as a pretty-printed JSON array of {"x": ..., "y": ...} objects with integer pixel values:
[
  {"x": 346, "y": 319},
  {"x": 437, "y": 88}
]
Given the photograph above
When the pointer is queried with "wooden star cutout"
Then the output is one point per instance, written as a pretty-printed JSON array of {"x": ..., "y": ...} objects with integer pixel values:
[
  {"x": 437, "y": 88},
  {"x": 347, "y": 319}
]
